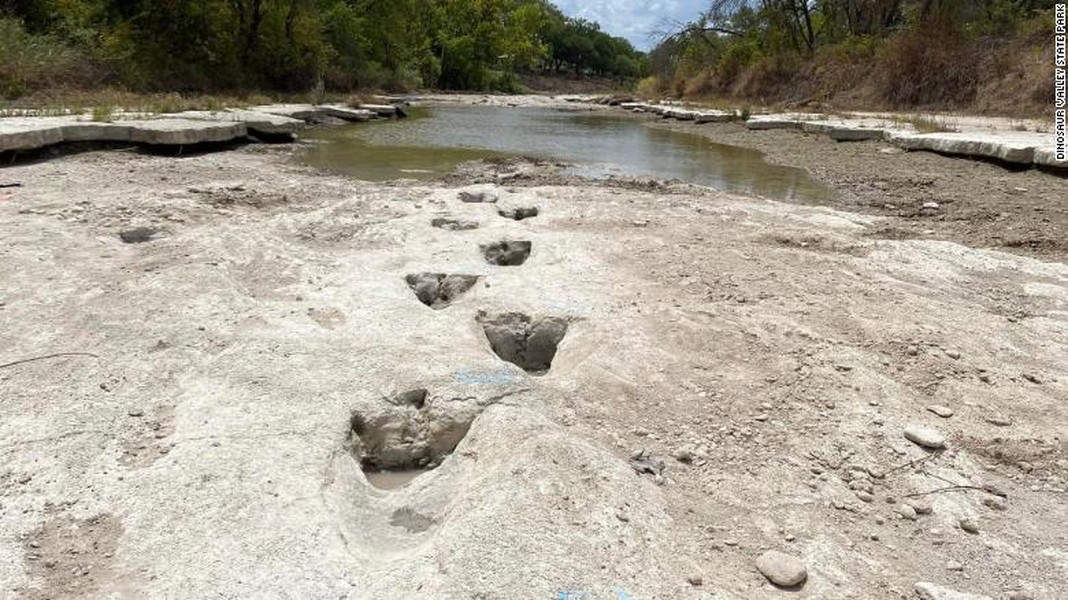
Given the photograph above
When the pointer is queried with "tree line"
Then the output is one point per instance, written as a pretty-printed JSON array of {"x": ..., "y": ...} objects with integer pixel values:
[
  {"x": 297, "y": 45},
  {"x": 908, "y": 52}
]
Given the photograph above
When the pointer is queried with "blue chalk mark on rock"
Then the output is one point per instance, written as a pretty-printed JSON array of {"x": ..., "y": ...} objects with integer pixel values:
[
  {"x": 620, "y": 593},
  {"x": 484, "y": 377}
]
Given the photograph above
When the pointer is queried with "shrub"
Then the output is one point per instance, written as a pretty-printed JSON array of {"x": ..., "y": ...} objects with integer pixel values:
[
  {"x": 648, "y": 87},
  {"x": 102, "y": 114},
  {"x": 31, "y": 62},
  {"x": 933, "y": 64},
  {"x": 735, "y": 58}
]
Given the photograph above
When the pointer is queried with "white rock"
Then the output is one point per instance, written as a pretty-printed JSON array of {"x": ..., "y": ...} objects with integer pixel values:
[
  {"x": 925, "y": 436},
  {"x": 1014, "y": 148},
  {"x": 943, "y": 411},
  {"x": 782, "y": 569},
  {"x": 907, "y": 512}
]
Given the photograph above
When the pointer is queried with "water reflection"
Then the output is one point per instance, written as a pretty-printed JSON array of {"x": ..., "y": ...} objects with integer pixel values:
[{"x": 436, "y": 140}]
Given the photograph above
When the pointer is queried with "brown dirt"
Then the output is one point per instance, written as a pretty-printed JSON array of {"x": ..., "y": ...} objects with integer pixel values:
[
  {"x": 983, "y": 205},
  {"x": 569, "y": 84},
  {"x": 70, "y": 557}
]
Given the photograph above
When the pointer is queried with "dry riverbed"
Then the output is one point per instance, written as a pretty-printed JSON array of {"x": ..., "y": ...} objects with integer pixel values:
[
  {"x": 728, "y": 376},
  {"x": 976, "y": 203}
]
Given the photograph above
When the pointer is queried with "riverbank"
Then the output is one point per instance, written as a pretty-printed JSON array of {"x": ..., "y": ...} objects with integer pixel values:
[
  {"x": 926, "y": 195},
  {"x": 736, "y": 375}
]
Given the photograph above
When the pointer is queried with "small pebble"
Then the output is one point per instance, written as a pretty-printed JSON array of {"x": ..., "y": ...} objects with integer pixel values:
[
  {"x": 943, "y": 411},
  {"x": 969, "y": 525},
  {"x": 906, "y": 512},
  {"x": 782, "y": 569},
  {"x": 921, "y": 507},
  {"x": 684, "y": 455},
  {"x": 995, "y": 502},
  {"x": 925, "y": 436}
]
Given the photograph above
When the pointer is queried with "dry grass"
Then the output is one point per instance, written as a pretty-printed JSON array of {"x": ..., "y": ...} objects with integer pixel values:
[
  {"x": 102, "y": 114},
  {"x": 64, "y": 102},
  {"x": 933, "y": 68},
  {"x": 928, "y": 123}
]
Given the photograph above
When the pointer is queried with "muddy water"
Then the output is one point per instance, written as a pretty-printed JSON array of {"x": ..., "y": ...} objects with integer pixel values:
[{"x": 435, "y": 140}]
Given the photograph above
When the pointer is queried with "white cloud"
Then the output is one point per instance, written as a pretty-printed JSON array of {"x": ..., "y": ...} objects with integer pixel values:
[{"x": 635, "y": 20}]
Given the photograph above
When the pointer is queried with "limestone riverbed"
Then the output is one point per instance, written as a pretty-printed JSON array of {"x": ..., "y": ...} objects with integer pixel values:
[{"x": 671, "y": 383}]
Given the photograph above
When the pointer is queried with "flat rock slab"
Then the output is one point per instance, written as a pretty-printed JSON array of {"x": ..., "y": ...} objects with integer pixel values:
[
  {"x": 255, "y": 121},
  {"x": 382, "y": 110},
  {"x": 19, "y": 133},
  {"x": 715, "y": 116},
  {"x": 844, "y": 131},
  {"x": 183, "y": 132},
  {"x": 31, "y": 133},
  {"x": 93, "y": 131},
  {"x": 1017, "y": 148},
  {"x": 765, "y": 122},
  {"x": 311, "y": 112},
  {"x": 1046, "y": 156},
  {"x": 680, "y": 114}
]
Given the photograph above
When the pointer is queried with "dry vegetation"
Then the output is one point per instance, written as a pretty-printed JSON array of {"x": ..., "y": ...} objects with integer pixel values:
[{"x": 992, "y": 61}]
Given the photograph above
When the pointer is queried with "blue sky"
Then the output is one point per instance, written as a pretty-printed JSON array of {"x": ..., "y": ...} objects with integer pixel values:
[{"x": 633, "y": 19}]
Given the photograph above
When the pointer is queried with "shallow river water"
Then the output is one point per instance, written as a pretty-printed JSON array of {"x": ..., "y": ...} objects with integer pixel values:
[{"x": 435, "y": 140}]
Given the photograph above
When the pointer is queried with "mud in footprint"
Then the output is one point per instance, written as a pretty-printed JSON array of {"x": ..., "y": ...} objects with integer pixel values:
[
  {"x": 486, "y": 196},
  {"x": 529, "y": 343},
  {"x": 519, "y": 213},
  {"x": 139, "y": 235},
  {"x": 414, "y": 434},
  {"x": 453, "y": 224},
  {"x": 438, "y": 290},
  {"x": 507, "y": 253}
]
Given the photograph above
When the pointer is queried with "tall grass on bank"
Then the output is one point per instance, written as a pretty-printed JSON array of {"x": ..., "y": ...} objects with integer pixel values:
[{"x": 928, "y": 123}]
